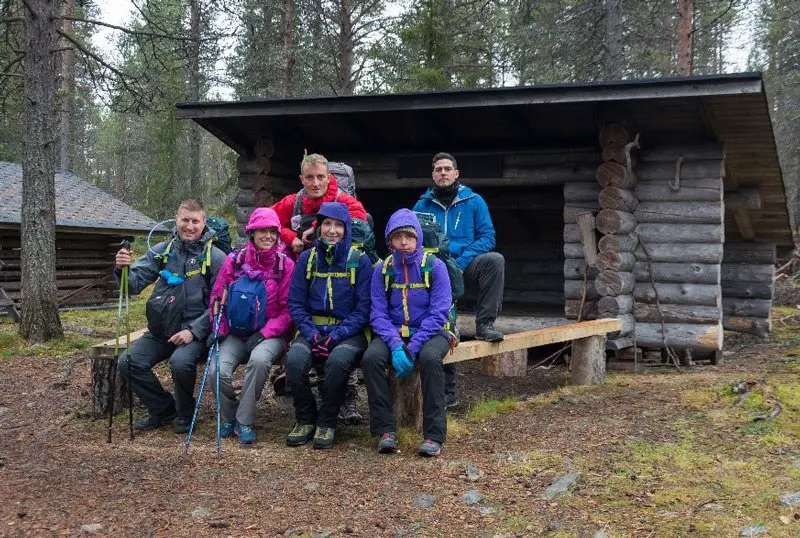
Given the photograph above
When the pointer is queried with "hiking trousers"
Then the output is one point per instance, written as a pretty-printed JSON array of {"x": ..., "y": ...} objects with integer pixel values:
[
  {"x": 487, "y": 271},
  {"x": 378, "y": 358},
  {"x": 257, "y": 364},
  {"x": 148, "y": 351},
  {"x": 337, "y": 367}
]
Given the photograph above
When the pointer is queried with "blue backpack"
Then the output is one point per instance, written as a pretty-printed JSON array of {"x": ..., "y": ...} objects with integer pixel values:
[{"x": 247, "y": 306}]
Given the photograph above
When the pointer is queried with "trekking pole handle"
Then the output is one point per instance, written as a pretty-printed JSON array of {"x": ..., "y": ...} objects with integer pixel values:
[
  {"x": 125, "y": 244},
  {"x": 220, "y": 300}
]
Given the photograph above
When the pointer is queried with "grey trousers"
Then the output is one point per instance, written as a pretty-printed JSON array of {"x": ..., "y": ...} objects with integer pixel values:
[
  {"x": 232, "y": 353},
  {"x": 488, "y": 272},
  {"x": 148, "y": 351}
]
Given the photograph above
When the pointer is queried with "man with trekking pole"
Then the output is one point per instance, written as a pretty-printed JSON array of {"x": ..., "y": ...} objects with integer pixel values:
[
  {"x": 465, "y": 220},
  {"x": 183, "y": 268}
]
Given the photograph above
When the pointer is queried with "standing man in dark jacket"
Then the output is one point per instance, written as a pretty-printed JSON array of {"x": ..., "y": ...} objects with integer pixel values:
[
  {"x": 465, "y": 220},
  {"x": 184, "y": 269},
  {"x": 329, "y": 304}
]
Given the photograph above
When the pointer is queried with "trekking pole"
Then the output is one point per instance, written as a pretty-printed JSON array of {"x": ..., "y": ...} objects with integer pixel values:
[
  {"x": 125, "y": 280},
  {"x": 123, "y": 291},
  {"x": 217, "y": 316}
]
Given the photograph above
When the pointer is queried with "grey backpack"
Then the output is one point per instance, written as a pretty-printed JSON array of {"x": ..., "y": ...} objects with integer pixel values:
[{"x": 344, "y": 177}]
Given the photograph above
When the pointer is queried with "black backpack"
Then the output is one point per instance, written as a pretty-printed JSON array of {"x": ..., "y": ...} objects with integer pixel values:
[{"x": 435, "y": 242}]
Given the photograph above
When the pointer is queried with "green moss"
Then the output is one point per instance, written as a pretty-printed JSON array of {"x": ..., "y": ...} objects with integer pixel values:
[{"x": 487, "y": 409}]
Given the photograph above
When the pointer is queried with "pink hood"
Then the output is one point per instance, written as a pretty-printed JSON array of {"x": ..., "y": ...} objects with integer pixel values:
[{"x": 263, "y": 217}]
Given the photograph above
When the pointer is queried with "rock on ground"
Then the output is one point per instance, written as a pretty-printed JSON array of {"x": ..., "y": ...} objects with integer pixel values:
[{"x": 561, "y": 485}]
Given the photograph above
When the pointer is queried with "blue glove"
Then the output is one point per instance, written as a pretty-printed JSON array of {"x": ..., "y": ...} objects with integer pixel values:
[{"x": 402, "y": 362}]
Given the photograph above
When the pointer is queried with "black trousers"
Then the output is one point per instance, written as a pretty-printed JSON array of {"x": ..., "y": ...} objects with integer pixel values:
[
  {"x": 148, "y": 351},
  {"x": 337, "y": 367},
  {"x": 487, "y": 271},
  {"x": 378, "y": 358}
]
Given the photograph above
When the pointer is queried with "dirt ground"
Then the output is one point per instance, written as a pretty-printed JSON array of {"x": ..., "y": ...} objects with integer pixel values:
[{"x": 659, "y": 452}]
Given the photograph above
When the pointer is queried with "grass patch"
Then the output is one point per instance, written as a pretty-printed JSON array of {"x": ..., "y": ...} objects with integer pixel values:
[
  {"x": 488, "y": 409},
  {"x": 534, "y": 463}
]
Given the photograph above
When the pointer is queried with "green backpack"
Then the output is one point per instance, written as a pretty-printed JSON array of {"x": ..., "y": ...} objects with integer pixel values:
[
  {"x": 435, "y": 242},
  {"x": 222, "y": 231}
]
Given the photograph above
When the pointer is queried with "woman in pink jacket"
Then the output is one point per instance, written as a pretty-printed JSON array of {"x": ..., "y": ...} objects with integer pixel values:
[{"x": 255, "y": 324}]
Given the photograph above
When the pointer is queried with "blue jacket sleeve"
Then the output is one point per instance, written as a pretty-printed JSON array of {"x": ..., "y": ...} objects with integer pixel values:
[
  {"x": 441, "y": 299},
  {"x": 379, "y": 311},
  {"x": 484, "y": 234},
  {"x": 356, "y": 320},
  {"x": 298, "y": 299}
]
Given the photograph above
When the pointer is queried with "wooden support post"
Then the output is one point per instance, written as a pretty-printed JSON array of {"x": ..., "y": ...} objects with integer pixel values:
[
  {"x": 407, "y": 399},
  {"x": 509, "y": 364},
  {"x": 588, "y": 363}
]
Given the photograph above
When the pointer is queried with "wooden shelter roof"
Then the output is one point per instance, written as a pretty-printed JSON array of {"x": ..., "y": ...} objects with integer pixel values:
[
  {"x": 79, "y": 205},
  {"x": 728, "y": 108}
]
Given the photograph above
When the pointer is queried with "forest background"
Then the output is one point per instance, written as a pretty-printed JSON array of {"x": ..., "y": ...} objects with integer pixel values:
[
  {"x": 98, "y": 98},
  {"x": 117, "y": 85}
]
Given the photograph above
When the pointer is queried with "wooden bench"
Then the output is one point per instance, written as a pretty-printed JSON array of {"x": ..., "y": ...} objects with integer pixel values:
[{"x": 588, "y": 363}]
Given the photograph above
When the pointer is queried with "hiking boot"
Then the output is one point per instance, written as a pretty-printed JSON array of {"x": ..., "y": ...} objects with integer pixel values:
[
  {"x": 450, "y": 401},
  {"x": 324, "y": 437},
  {"x": 430, "y": 449},
  {"x": 247, "y": 434},
  {"x": 153, "y": 421},
  {"x": 388, "y": 443},
  {"x": 182, "y": 424},
  {"x": 228, "y": 429},
  {"x": 349, "y": 411},
  {"x": 300, "y": 435},
  {"x": 487, "y": 332}
]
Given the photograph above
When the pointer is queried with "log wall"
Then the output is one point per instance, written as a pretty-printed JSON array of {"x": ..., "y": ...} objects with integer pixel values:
[
  {"x": 747, "y": 287},
  {"x": 680, "y": 229},
  {"x": 84, "y": 265},
  {"x": 579, "y": 197}
]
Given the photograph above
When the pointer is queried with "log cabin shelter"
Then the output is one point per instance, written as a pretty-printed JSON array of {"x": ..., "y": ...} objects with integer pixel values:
[
  {"x": 664, "y": 196},
  {"x": 90, "y": 225}
]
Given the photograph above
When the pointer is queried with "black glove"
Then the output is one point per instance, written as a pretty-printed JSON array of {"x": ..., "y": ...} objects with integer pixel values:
[{"x": 255, "y": 339}]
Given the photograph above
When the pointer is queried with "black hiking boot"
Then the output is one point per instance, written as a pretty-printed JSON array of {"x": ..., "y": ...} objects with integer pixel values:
[
  {"x": 153, "y": 421},
  {"x": 348, "y": 413},
  {"x": 182, "y": 425},
  {"x": 486, "y": 331}
]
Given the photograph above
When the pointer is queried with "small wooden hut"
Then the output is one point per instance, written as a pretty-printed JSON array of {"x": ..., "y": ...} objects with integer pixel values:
[
  {"x": 677, "y": 182},
  {"x": 90, "y": 224}
]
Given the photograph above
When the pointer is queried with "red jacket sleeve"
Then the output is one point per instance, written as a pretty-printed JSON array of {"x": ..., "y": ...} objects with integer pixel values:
[
  {"x": 354, "y": 207},
  {"x": 283, "y": 208}
]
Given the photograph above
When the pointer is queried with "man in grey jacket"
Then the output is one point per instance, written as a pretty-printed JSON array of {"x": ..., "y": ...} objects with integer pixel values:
[{"x": 183, "y": 268}]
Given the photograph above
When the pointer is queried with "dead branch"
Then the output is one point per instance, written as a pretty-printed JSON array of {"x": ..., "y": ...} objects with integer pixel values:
[{"x": 772, "y": 414}]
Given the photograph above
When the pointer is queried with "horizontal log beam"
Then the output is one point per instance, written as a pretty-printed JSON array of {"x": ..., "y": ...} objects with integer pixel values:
[
  {"x": 617, "y": 198},
  {"x": 747, "y": 290},
  {"x": 680, "y": 335},
  {"x": 680, "y": 233},
  {"x": 748, "y": 198},
  {"x": 758, "y": 326},
  {"x": 747, "y": 271},
  {"x": 609, "y": 307},
  {"x": 698, "y": 190},
  {"x": 692, "y": 294},
  {"x": 573, "y": 289},
  {"x": 618, "y": 243},
  {"x": 676, "y": 313},
  {"x": 756, "y": 253},
  {"x": 613, "y": 283},
  {"x": 582, "y": 191},
  {"x": 572, "y": 309},
  {"x": 689, "y": 170},
  {"x": 677, "y": 252},
  {"x": 680, "y": 212},
  {"x": 608, "y": 260},
  {"x": 748, "y": 308},
  {"x": 611, "y": 221},
  {"x": 690, "y": 273},
  {"x": 692, "y": 152},
  {"x": 477, "y": 349}
]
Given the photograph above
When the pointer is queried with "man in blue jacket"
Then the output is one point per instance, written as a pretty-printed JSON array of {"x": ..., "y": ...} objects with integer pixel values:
[{"x": 465, "y": 220}]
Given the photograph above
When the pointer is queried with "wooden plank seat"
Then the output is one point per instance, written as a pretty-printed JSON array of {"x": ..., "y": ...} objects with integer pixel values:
[{"x": 588, "y": 360}]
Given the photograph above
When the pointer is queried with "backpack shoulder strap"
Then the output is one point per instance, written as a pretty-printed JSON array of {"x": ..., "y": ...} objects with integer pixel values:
[
  {"x": 298, "y": 203},
  {"x": 164, "y": 256},
  {"x": 338, "y": 194},
  {"x": 310, "y": 263},
  {"x": 353, "y": 260},
  {"x": 388, "y": 272},
  {"x": 428, "y": 260}
]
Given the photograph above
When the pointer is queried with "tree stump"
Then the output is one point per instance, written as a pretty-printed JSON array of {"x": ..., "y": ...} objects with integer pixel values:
[
  {"x": 509, "y": 364},
  {"x": 407, "y": 399},
  {"x": 589, "y": 360},
  {"x": 101, "y": 388}
]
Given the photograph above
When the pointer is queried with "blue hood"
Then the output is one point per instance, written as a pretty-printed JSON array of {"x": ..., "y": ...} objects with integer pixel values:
[
  {"x": 335, "y": 210},
  {"x": 401, "y": 218}
]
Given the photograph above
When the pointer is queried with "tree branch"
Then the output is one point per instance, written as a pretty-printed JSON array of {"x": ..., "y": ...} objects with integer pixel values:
[
  {"x": 30, "y": 9},
  {"x": 125, "y": 30},
  {"x": 9, "y": 20}
]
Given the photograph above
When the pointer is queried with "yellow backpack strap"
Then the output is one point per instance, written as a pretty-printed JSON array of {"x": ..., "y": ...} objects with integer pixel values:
[
  {"x": 310, "y": 263},
  {"x": 388, "y": 272},
  {"x": 207, "y": 260},
  {"x": 427, "y": 268},
  {"x": 353, "y": 259}
]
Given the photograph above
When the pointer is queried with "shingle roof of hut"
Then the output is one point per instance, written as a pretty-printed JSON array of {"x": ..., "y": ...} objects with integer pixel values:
[{"x": 79, "y": 204}]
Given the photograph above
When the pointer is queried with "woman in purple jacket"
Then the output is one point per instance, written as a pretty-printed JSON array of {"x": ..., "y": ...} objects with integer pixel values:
[{"x": 411, "y": 301}]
